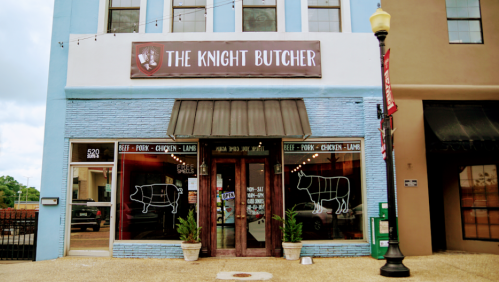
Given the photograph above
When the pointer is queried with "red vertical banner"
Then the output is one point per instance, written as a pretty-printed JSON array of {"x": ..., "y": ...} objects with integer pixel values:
[
  {"x": 390, "y": 102},
  {"x": 383, "y": 145}
]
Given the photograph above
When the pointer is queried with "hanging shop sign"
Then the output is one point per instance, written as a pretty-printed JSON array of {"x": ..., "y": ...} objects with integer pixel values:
[
  {"x": 226, "y": 59},
  {"x": 390, "y": 102},
  {"x": 337, "y": 147},
  {"x": 168, "y": 148}
]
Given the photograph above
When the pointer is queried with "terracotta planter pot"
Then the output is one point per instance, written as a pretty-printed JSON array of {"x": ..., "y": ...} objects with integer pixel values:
[
  {"x": 191, "y": 251},
  {"x": 292, "y": 250}
]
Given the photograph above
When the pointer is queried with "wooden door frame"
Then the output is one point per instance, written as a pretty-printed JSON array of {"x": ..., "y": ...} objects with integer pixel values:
[{"x": 206, "y": 218}]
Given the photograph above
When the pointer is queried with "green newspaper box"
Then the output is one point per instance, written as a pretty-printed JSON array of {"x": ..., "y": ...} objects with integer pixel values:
[{"x": 380, "y": 232}]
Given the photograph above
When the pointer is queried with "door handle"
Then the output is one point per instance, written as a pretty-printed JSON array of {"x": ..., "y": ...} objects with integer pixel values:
[
  {"x": 242, "y": 203},
  {"x": 243, "y": 216},
  {"x": 238, "y": 216}
]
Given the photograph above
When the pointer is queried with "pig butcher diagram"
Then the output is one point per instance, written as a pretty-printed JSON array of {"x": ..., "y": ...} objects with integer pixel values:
[
  {"x": 322, "y": 189},
  {"x": 157, "y": 195}
]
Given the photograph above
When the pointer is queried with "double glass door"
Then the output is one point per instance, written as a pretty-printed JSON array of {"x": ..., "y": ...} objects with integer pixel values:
[{"x": 241, "y": 207}]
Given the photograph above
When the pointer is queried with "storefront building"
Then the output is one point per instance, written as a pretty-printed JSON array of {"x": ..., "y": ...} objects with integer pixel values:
[
  {"x": 213, "y": 110},
  {"x": 447, "y": 94}
]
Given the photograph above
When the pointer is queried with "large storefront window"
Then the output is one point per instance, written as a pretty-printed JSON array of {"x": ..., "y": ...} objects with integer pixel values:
[
  {"x": 157, "y": 184},
  {"x": 479, "y": 202},
  {"x": 323, "y": 182}
]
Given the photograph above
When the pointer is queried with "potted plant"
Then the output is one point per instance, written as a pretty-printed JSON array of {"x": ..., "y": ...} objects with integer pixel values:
[
  {"x": 189, "y": 234},
  {"x": 292, "y": 234}
]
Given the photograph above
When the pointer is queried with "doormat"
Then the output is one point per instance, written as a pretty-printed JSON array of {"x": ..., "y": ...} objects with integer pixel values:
[{"x": 238, "y": 275}]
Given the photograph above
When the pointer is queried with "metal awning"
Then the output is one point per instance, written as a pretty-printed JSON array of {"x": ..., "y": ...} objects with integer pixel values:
[
  {"x": 239, "y": 118},
  {"x": 463, "y": 122}
]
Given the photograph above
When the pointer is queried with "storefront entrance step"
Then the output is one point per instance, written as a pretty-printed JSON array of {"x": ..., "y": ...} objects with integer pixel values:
[{"x": 238, "y": 275}]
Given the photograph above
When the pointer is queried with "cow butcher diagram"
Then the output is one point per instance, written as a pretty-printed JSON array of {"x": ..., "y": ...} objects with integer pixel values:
[
  {"x": 157, "y": 195},
  {"x": 322, "y": 189}
]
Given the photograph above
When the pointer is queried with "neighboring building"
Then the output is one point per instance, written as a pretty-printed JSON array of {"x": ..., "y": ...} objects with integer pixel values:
[
  {"x": 444, "y": 66},
  {"x": 276, "y": 100},
  {"x": 29, "y": 205}
]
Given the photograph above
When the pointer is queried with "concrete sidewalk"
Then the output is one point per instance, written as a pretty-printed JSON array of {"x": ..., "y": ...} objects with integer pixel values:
[{"x": 438, "y": 267}]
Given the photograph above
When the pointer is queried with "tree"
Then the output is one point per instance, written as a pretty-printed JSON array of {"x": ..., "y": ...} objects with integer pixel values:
[{"x": 8, "y": 192}]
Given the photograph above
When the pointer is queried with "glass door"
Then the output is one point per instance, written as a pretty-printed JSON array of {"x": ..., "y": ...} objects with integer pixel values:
[
  {"x": 256, "y": 239},
  {"x": 240, "y": 189},
  {"x": 89, "y": 211},
  {"x": 225, "y": 188}
]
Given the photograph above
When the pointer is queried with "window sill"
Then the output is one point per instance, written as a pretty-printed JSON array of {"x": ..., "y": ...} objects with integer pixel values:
[
  {"x": 166, "y": 242},
  {"x": 336, "y": 242}
]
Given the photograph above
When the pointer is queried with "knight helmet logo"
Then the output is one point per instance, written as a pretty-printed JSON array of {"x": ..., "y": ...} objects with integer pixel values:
[{"x": 149, "y": 57}]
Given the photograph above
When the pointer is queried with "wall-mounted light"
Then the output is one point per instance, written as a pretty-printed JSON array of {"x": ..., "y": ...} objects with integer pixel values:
[
  {"x": 277, "y": 168},
  {"x": 203, "y": 168}
]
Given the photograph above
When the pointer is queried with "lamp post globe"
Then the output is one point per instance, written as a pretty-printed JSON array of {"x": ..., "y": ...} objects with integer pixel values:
[{"x": 380, "y": 24}]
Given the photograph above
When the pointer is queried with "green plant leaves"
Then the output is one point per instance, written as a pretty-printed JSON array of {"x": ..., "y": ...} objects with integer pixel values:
[
  {"x": 188, "y": 229},
  {"x": 292, "y": 229}
]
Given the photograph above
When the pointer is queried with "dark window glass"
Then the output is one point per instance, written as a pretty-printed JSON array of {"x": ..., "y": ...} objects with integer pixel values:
[
  {"x": 92, "y": 152},
  {"x": 259, "y": 19},
  {"x": 479, "y": 202},
  {"x": 226, "y": 208},
  {"x": 153, "y": 192},
  {"x": 124, "y": 16},
  {"x": 255, "y": 209},
  {"x": 326, "y": 189}
]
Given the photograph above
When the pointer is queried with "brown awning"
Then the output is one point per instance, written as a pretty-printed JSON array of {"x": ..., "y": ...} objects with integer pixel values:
[{"x": 239, "y": 118}]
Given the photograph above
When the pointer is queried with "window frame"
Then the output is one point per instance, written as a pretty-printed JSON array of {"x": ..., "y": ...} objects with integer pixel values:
[
  {"x": 461, "y": 208},
  {"x": 327, "y": 7},
  {"x": 110, "y": 8},
  {"x": 363, "y": 163},
  {"x": 479, "y": 19},
  {"x": 188, "y": 7},
  {"x": 259, "y": 7},
  {"x": 69, "y": 197}
]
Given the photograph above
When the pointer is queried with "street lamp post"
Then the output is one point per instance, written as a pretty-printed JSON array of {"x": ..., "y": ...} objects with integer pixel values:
[
  {"x": 27, "y": 187},
  {"x": 19, "y": 200},
  {"x": 380, "y": 23}
]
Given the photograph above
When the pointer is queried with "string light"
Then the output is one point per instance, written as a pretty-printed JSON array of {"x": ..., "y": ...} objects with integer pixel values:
[
  {"x": 233, "y": 5},
  {"x": 179, "y": 18},
  {"x": 154, "y": 20},
  {"x": 78, "y": 42},
  {"x": 61, "y": 44}
]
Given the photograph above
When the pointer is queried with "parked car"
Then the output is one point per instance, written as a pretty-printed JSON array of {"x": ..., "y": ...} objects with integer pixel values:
[
  {"x": 310, "y": 220},
  {"x": 84, "y": 217}
]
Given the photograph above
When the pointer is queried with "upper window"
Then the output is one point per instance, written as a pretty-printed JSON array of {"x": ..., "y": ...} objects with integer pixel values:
[
  {"x": 479, "y": 202},
  {"x": 123, "y": 16},
  {"x": 259, "y": 15},
  {"x": 189, "y": 15},
  {"x": 464, "y": 21},
  {"x": 324, "y": 16}
]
